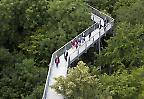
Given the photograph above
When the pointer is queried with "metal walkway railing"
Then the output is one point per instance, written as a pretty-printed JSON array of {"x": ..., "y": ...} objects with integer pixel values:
[{"x": 74, "y": 53}]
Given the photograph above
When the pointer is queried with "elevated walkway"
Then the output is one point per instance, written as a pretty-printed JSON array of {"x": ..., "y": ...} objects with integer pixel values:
[{"x": 75, "y": 53}]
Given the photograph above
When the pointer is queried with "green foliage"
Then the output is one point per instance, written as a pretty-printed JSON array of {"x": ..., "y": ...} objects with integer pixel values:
[
  {"x": 124, "y": 84},
  {"x": 124, "y": 3},
  {"x": 5, "y": 57},
  {"x": 20, "y": 17},
  {"x": 67, "y": 19},
  {"x": 131, "y": 12},
  {"x": 36, "y": 94},
  {"x": 122, "y": 61},
  {"x": 125, "y": 49},
  {"x": 41, "y": 46},
  {"x": 80, "y": 84},
  {"x": 19, "y": 76},
  {"x": 107, "y": 5},
  {"x": 31, "y": 30},
  {"x": 69, "y": 15}
]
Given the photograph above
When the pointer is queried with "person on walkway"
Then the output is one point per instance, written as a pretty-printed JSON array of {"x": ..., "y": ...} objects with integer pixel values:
[
  {"x": 66, "y": 55},
  {"x": 99, "y": 25},
  {"x": 74, "y": 44},
  {"x": 57, "y": 60},
  {"x": 80, "y": 41},
  {"x": 102, "y": 23},
  {"x": 89, "y": 35},
  {"x": 83, "y": 38}
]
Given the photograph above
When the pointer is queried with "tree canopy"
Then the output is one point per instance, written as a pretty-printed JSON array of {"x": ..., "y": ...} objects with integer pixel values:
[
  {"x": 80, "y": 83},
  {"x": 31, "y": 30},
  {"x": 115, "y": 73}
]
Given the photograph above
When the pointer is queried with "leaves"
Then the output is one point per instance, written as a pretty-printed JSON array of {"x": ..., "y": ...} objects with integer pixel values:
[
  {"x": 19, "y": 76},
  {"x": 65, "y": 18},
  {"x": 79, "y": 84}
]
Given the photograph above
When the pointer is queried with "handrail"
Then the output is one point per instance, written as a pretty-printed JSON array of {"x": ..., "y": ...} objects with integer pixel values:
[
  {"x": 54, "y": 54},
  {"x": 68, "y": 45},
  {"x": 101, "y": 14},
  {"x": 92, "y": 37}
]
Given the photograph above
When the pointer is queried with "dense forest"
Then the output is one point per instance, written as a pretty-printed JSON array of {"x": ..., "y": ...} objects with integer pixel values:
[{"x": 31, "y": 30}]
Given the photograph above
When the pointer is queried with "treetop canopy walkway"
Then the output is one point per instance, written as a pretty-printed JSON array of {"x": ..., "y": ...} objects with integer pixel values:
[{"x": 102, "y": 24}]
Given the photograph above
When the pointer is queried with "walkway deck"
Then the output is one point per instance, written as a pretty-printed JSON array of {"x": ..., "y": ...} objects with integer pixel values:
[{"x": 61, "y": 70}]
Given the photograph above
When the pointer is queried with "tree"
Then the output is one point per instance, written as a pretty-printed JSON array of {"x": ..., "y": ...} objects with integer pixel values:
[
  {"x": 124, "y": 50},
  {"x": 19, "y": 18},
  {"x": 43, "y": 45},
  {"x": 31, "y": 30},
  {"x": 107, "y": 5},
  {"x": 121, "y": 76},
  {"x": 19, "y": 76},
  {"x": 131, "y": 12},
  {"x": 80, "y": 84},
  {"x": 67, "y": 19}
]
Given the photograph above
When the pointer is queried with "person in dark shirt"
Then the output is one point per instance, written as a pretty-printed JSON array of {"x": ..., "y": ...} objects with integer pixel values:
[
  {"x": 66, "y": 55},
  {"x": 79, "y": 41},
  {"x": 89, "y": 35}
]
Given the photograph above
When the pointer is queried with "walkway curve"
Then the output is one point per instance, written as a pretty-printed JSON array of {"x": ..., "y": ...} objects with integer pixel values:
[{"x": 73, "y": 53}]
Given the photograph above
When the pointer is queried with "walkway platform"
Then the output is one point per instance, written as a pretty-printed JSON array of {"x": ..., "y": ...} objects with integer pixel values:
[{"x": 73, "y": 54}]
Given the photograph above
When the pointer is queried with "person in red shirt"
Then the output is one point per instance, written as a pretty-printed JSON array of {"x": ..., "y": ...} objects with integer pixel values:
[
  {"x": 57, "y": 60},
  {"x": 74, "y": 44}
]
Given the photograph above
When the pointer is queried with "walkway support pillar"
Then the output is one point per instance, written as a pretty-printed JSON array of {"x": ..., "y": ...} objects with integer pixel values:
[{"x": 99, "y": 42}]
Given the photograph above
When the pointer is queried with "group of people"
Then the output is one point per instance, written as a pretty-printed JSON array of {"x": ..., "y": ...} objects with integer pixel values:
[
  {"x": 75, "y": 43},
  {"x": 57, "y": 59},
  {"x": 78, "y": 42}
]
